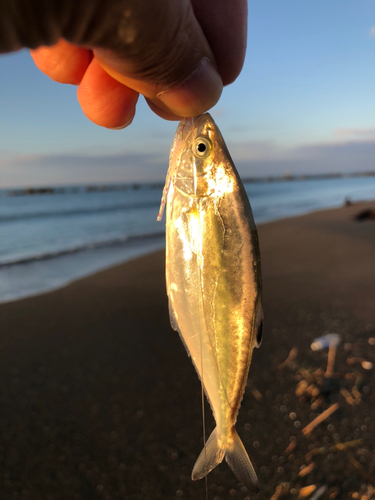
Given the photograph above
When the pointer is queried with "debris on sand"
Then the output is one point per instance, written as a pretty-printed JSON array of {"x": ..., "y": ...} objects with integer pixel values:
[
  {"x": 306, "y": 491},
  {"x": 257, "y": 395},
  {"x": 336, "y": 447},
  {"x": 320, "y": 418},
  {"x": 365, "y": 214},
  {"x": 319, "y": 493},
  {"x": 347, "y": 396},
  {"x": 359, "y": 467},
  {"x": 326, "y": 341},
  {"x": 281, "y": 490},
  {"x": 306, "y": 470},
  {"x": 329, "y": 341},
  {"x": 291, "y": 357},
  {"x": 291, "y": 446},
  {"x": 339, "y": 394}
]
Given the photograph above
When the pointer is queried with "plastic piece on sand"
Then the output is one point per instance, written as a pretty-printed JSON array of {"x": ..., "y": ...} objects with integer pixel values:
[{"x": 331, "y": 339}]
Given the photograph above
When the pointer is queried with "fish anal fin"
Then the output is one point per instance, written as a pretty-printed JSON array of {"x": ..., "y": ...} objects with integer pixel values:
[
  {"x": 239, "y": 461},
  {"x": 211, "y": 456}
]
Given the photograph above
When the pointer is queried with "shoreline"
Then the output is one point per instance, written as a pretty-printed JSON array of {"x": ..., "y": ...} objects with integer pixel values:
[
  {"x": 57, "y": 282},
  {"x": 99, "y": 398}
]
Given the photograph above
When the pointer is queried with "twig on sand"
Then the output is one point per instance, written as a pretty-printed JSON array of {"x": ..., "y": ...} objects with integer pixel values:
[
  {"x": 347, "y": 396},
  {"x": 320, "y": 418},
  {"x": 282, "y": 489},
  {"x": 306, "y": 470},
  {"x": 366, "y": 365},
  {"x": 358, "y": 466},
  {"x": 357, "y": 395},
  {"x": 336, "y": 447},
  {"x": 368, "y": 494},
  {"x": 347, "y": 444},
  {"x": 353, "y": 360},
  {"x": 291, "y": 447},
  {"x": 315, "y": 451},
  {"x": 355, "y": 390},
  {"x": 331, "y": 359},
  {"x": 257, "y": 395},
  {"x": 334, "y": 493},
  {"x": 317, "y": 403},
  {"x": 291, "y": 356},
  {"x": 301, "y": 387},
  {"x": 319, "y": 493},
  {"x": 306, "y": 491},
  {"x": 305, "y": 373}
]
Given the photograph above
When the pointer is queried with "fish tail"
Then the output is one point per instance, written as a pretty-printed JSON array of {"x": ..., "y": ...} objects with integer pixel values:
[
  {"x": 211, "y": 456},
  {"x": 236, "y": 457},
  {"x": 239, "y": 461}
]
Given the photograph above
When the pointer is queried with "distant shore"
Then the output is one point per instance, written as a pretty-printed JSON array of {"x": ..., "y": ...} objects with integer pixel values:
[
  {"x": 100, "y": 400},
  {"x": 93, "y": 188}
]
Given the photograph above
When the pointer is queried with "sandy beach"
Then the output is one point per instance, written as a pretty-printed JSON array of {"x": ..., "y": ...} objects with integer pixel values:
[{"x": 98, "y": 398}]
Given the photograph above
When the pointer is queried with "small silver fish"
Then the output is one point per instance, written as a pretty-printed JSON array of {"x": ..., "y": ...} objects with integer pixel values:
[{"x": 213, "y": 280}]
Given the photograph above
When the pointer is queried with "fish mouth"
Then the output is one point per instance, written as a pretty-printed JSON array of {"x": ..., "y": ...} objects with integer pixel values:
[
  {"x": 189, "y": 125},
  {"x": 195, "y": 125}
]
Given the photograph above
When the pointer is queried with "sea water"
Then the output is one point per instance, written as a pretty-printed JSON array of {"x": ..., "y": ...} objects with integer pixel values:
[{"x": 50, "y": 239}]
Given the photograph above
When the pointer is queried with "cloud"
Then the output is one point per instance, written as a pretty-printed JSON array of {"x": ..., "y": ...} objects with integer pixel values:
[
  {"x": 372, "y": 32},
  {"x": 339, "y": 152},
  {"x": 85, "y": 160},
  {"x": 31, "y": 170},
  {"x": 349, "y": 156},
  {"x": 251, "y": 158},
  {"x": 356, "y": 132},
  {"x": 256, "y": 150},
  {"x": 217, "y": 112}
]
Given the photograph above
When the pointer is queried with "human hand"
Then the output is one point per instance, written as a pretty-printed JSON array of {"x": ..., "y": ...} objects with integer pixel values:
[{"x": 178, "y": 54}]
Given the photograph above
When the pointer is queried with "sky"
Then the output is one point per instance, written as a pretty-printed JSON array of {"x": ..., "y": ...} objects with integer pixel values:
[{"x": 304, "y": 103}]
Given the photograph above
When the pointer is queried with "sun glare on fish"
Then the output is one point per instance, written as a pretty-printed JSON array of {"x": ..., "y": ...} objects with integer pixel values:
[
  {"x": 221, "y": 183},
  {"x": 195, "y": 231},
  {"x": 187, "y": 252}
]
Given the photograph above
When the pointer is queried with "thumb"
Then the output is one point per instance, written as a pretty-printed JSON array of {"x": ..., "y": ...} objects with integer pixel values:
[{"x": 160, "y": 51}]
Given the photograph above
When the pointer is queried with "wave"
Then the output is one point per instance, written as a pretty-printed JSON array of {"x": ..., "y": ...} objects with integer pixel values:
[
  {"x": 81, "y": 248},
  {"x": 77, "y": 211}
]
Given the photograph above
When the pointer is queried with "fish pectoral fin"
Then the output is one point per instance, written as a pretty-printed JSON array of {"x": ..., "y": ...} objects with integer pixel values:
[
  {"x": 172, "y": 317},
  {"x": 239, "y": 461},
  {"x": 211, "y": 456},
  {"x": 258, "y": 324}
]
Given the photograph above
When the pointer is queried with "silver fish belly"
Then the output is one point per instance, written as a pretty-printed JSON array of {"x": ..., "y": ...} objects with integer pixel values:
[{"x": 213, "y": 281}]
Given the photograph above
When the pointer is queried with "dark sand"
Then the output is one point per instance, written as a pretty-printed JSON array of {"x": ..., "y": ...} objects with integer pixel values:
[{"x": 98, "y": 398}]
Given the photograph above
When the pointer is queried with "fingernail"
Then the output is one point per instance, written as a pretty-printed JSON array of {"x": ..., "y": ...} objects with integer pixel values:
[
  {"x": 121, "y": 127},
  {"x": 196, "y": 94}
]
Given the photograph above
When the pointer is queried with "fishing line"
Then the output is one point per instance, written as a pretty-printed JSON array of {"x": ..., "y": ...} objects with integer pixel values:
[
  {"x": 204, "y": 434},
  {"x": 200, "y": 306},
  {"x": 202, "y": 380}
]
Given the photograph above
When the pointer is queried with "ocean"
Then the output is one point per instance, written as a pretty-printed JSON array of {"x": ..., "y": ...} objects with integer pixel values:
[{"x": 52, "y": 237}]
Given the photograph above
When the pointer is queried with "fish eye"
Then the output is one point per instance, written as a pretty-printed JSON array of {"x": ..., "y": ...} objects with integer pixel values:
[{"x": 202, "y": 147}]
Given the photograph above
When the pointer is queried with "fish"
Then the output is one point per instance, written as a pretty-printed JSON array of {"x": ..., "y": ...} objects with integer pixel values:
[{"x": 213, "y": 280}]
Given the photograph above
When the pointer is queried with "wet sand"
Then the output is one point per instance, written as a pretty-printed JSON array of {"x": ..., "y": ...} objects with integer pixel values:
[{"x": 98, "y": 398}]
